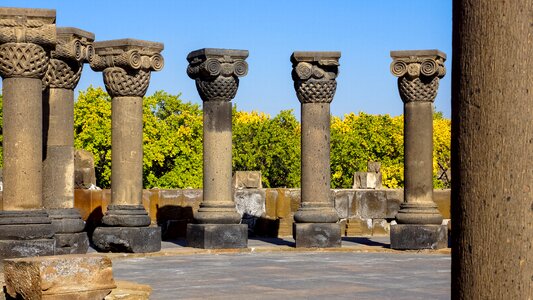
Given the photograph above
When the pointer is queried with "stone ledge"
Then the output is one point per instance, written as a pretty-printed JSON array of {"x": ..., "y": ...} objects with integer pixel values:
[
  {"x": 25, "y": 248},
  {"x": 127, "y": 239}
]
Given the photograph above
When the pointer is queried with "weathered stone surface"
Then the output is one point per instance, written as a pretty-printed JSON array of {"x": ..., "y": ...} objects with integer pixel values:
[
  {"x": 127, "y": 239},
  {"x": 371, "y": 203},
  {"x": 271, "y": 200},
  {"x": 217, "y": 236},
  {"x": 394, "y": 200},
  {"x": 247, "y": 180},
  {"x": 380, "y": 227},
  {"x": 127, "y": 290},
  {"x": 66, "y": 220},
  {"x": 126, "y": 216},
  {"x": 71, "y": 243},
  {"x": 367, "y": 180},
  {"x": 343, "y": 199},
  {"x": 250, "y": 202},
  {"x": 442, "y": 199},
  {"x": 84, "y": 174},
  {"x": 418, "y": 236},
  {"x": 59, "y": 277},
  {"x": 317, "y": 235},
  {"x": 26, "y": 248}
]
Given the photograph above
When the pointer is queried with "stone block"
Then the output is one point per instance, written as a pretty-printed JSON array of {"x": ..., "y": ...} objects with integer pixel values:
[
  {"x": 343, "y": 224},
  {"x": 26, "y": 248},
  {"x": 416, "y": 236},
  {"x": 372, "y": 203},
  {"x": 250, "y": 202},
  {"x": 295, "y": 197},
  {"x": 317, "y": 235},
  {"x": 374, "y": 166},
  {"x": 271, "y": 199},
  {"x": 380, "y": 227},
  {"x": 285, "y": 226},
  {"x": 343, "y": 200},
  {"x": 217, "y": 236},
  {"x": 367, "y": 180},
  {"x": 127, "y": 290},
  {"x": 443, "y": 198},
  {"x": 358, "y": 227},
  {"x": 247, "y": 180},
  {"x": 394, "y": 200},
  {"x": 283, "y": 204},
  {"x": 127, "y": 239},
  {"x": 84, "y": 175},
  {"x": 59, "y": 277},
  {"x": 71, "y": 243}
]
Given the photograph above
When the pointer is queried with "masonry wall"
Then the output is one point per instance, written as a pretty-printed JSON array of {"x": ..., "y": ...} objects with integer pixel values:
[{"x": 268, "y": 212}]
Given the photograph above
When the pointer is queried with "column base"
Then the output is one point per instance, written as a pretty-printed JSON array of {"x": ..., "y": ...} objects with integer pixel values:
[
  {"x": 317, "y": 235},
  {"x": 417, "y": 236},
  {"x": 26, "y": 248},
  {"x": 127, "y": 239},
  {"x": 66, "y": 220},
  {"x": 71, "y": 243},
  {"x": 217, "y": 236}
]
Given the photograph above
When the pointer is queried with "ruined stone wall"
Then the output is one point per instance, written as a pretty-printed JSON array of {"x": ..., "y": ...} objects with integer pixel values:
[{"x": 268, "y": 212}]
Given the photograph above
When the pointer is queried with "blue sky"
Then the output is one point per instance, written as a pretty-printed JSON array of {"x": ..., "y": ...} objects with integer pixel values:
[{"x": 364, "y": 31}]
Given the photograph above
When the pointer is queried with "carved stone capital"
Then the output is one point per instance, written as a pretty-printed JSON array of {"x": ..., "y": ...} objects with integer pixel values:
[
  {"x": 217, "y": 72},
  {"x": 26, "y": 38},
  {"x": 314, "y": 75},
  {"x": 127, "y": 64},
  {"x": 418, "y": 73},
  {"x": 74, "y": 48}
]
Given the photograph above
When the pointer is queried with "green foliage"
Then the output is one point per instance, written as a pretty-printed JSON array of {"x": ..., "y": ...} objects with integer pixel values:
[{"x": 271, "y": 145}]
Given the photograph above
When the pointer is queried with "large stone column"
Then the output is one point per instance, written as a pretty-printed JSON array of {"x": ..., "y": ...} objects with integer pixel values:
[
  {"x": 26, "y": 38},
  {"x": 73, "y": 49},
  {"x": 314, "y": 75},
  {"x": 217, "y": 72},
  {"x": 126, "y": 66},
  {"x": 492, "y": 150},
  {"x": 418, "y": 220}
]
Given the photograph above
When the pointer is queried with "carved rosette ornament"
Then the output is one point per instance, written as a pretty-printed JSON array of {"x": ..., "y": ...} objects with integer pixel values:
[
  {"x": 314, "y": 75},
  {"x": 418, "y": 74},
  {"x": 26, "y": 39},
  {"x": 127, "y": 65},
  {"x": 216, "y": 72},
  {"x": 74, "y": 48}
]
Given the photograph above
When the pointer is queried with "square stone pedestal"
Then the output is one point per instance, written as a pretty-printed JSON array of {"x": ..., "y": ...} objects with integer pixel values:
[
  {"x": 127, "y": 239},
  {"x": 317, "y": 235},
  {"x": 26, "y": 248},
  {"x": 217, "y": 236},
  {"x": 71, "y": 243},
  {"x": 418, "y": 236}
]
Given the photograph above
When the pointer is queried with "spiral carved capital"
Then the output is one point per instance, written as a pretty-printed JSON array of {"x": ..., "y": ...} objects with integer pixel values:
[
  {"x": 314, "y": 75},
  {"x": 23, "y": 60},
  {"x": 120, "y": 82},
  {"x": 28, "y": 26},
  {"x": 418, "y": 74},
  {"x": 216, "y": 72}
]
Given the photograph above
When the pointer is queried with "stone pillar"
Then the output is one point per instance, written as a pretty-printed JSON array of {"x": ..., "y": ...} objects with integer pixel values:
[
  {"x": 492, "y": 150},
  {"x": 73, "y": 49},
  {"x": 26, "y": 38},
  {"x": 418, "y": 220},
  {"x": 314, "y": 75},
  {"x": 217, "y": 72},
  {"x": 126, "y": 66}
]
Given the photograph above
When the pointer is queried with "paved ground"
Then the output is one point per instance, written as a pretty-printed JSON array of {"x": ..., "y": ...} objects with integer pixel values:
[{"x": 275, "y": 270}]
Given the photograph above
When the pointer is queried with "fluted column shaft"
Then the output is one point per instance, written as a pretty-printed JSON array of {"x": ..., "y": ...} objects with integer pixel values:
[
  {"x": 418, "y": 75},
  {"x": 216, "y": 73}
]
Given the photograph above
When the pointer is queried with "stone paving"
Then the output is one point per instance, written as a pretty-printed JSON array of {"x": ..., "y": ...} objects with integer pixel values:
[{"x": 278, "y": 271}]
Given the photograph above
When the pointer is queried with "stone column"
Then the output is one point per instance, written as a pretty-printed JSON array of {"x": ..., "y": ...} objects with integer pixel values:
[
  {"x": 73, "y": 49},
  {"x": 492, "y": 150},
  {"x": 126, "y": 66},
  {"x": 217, "y": 72},
  {"x": 418, "y": 220},
  {"x": 26, "y": 38},
  {"x": 314, "y": 75}
]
